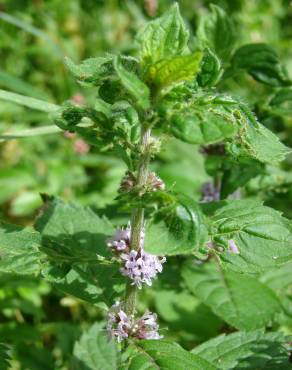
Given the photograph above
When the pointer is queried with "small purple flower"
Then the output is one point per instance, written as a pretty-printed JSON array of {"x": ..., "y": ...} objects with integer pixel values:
[
  {"x": 233, "y": 248},
  {"x": 121, "y": 240},
  {"x": 155, "y": 182},
  {"x": 120, "y": 326},
  {"x": 147, "y": 327},
  {"x": 210, "y": 192},
  {"x": 141, "y": 267}
]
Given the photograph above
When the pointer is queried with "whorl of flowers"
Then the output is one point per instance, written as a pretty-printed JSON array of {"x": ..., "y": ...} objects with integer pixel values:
[
  {"x": 154, "y": 182},
  {"x": 210, "y": 192},
  {"x": 120, "y": 241},
  {"x": 129, "y": 181},
  {"x": 121, "y": 326},
  {"x": 141, "y": 267}
]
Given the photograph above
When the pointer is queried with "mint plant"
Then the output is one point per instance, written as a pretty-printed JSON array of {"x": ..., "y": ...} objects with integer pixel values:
[{"x": 226, "y": 252}]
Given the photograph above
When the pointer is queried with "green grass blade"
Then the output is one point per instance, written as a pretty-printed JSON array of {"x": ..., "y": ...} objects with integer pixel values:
[
  {"x": 28, "y": 102},
  {"x": 44, "y": 130}
]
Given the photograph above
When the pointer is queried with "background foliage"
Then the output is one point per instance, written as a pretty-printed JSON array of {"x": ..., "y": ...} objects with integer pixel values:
[{"x": 36, "y": 317}]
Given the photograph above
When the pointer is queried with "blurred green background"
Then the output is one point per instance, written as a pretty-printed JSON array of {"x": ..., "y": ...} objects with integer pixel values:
[{"x": 35, "y": 36}]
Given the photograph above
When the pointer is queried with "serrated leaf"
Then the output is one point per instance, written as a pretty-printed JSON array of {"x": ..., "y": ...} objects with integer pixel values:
[
  {"x": 19, "y": 250},
  {"x": 160, "y": 354},
  {"x": 240, "y": 300},
  {"x": 170, "y": 72},
  {"x": 164, "y": 37},
  {"x": 4, "y": 357},
  {"x": 131, "y": 82},
  {"x": 249, "y": 351},
  {"x": 181, "y": 232},
  {"x": 261, "y": 144},
  {"x": 210, "y": 71},
  {"x": 71, "y": 232},
  {"x": 94, "y": 351},
  {"x": 91, "y": 70},
  {"x": 200, "y": 118},
  {"x": 262, "y": 63},
  {"x": 263, "y": 237},
  {"x": 216, "y": 31}
]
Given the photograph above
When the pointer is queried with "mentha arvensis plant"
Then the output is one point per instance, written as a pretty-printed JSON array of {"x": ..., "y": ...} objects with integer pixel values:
[{"x": 224, "y": 252}]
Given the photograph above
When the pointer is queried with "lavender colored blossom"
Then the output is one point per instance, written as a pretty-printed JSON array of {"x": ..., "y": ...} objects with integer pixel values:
[
  {"x": 121, "y": 240},
  {"x": 120, "y": 326},
  {"x": 147, "y": 327},
  {"x": 141, "y": 267},
  {"x": 210, "y": 192},
  {"x": 128, "y": 182},
  {"x": 155, "y": 182},
  {"x": 233, "y": 248}
]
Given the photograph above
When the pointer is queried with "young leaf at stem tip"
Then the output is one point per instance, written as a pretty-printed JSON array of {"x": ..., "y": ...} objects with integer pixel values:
[
  {"x": 163, "y": 38},
  {"x": 131, "y": 82}
]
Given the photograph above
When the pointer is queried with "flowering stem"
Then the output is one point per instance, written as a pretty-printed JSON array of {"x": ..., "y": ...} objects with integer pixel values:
[{"x": 137, "y": 218}]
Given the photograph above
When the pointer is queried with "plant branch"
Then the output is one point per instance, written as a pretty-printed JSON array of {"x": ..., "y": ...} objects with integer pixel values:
[{"x": 137, "y": 218}]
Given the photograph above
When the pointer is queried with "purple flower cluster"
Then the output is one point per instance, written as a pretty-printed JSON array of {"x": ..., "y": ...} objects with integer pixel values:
[
  {"x": 155, "y": 182},
  {"x": 139, "y": 266},
  {"x": 129, "y": 182},
  {"x": 121, "y": 240},
  {"x": 121, "y": 326},
  {"x": 210, "y": 192},
  {"x": 232, "y": 247},
  {"x": 118, "y": 324}
]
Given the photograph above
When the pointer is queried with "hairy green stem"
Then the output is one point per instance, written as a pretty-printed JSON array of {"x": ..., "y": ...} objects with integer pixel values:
[{"x": 137, "y": 218}]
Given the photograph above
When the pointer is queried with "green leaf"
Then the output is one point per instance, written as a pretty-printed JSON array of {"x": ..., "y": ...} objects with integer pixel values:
[
  {"x": 255, "y": 140},
  {"x": 249, "y": 351},
  {"x": 164, "y": 37},
  {"x": 71, "y": 232},
  {"x": 184, "y": 313},
  {"x": 200, "y": 119},
  {"x": 240, "y": 300},
  {"x": 216, "y": 31},
  {"x": 170, "y": 72},
  {"x": 262, "y": 63},
  {"x": 28, "y": 102},
  {"x": 160, "y": 354},
  {"x": 271, "y": 179},
  {"x": 94, "y": 351},
  {"x": 181, "y": 231},
  {"x": 19, "y": 250},
  {"x": 4, "y": 357},
  {"x": 281, "y": 101},
  {"x": 237, "y": 174},
  {"x": 210, "y": 71},
  {"x": 91, "y": 70},
  {"x": 95, "y": 283},
  {"x": 262, "y": 235},
  {"x": 135, "y": 87}
]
